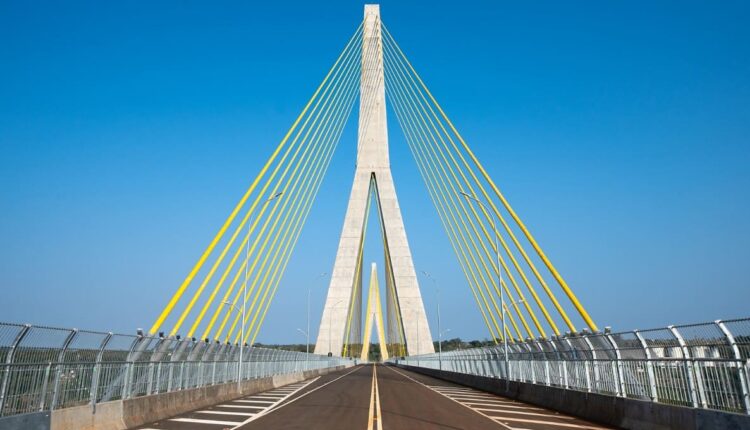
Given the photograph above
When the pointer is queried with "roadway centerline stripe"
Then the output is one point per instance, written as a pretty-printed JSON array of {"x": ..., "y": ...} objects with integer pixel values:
[
  {"x": 451, "y": 399},
  {"x": 374, "y": 413},
  {"x": 274, "y": 408},
  {"x": 197, "y": 421}
]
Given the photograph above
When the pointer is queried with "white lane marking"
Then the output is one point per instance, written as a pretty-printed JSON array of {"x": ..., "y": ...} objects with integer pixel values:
[
  {"x": 472, "y": 398},
  {"x": 273, "y": 408},
  {"x": 197, "y": 421},
  {"x": 241, "y": 414},
  {"x": 240, "y": 406},
  {"x": 460, "y": 390},
  {"x": 273, "y": 404},
  {"x": 494, "y": 401},
  {"x": 449, "y": 398},
  {"x": 252, "y": 401},
  {"x": 566, "y": 425},
  {"x": 505, "y": 411},
  {"x": 503, "y": 405}
]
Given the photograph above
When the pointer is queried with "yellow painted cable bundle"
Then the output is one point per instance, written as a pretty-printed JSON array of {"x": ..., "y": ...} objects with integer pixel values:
[
  {"x": 350, "y": 47},
  {"x": 437, "y": 135}
]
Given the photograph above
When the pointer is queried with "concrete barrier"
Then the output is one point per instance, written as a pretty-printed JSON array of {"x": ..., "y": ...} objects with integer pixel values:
[
  {"x": 124, "y": 414},
  {"x": 613, "y": 411}
]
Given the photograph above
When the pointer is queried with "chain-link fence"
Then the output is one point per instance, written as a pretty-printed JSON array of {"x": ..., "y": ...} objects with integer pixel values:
[
  {"x": 45, "y": 368},
  {"x": 698, "y": 365}
]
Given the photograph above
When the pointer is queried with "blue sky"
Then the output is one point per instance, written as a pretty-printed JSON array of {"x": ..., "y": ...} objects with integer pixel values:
[{"x": 618, "y": 130}]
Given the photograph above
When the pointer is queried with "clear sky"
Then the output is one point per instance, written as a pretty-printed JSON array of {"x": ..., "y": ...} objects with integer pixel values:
[{"x": 620, "y": 132}]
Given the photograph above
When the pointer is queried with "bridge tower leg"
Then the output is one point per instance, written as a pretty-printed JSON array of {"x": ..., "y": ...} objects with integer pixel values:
[{"x": 372, "y": 170}]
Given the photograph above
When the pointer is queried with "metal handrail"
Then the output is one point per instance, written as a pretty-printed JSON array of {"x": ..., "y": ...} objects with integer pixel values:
[
  {"x": 705, "y": 365},
  {"x": 47, "y": 368}
]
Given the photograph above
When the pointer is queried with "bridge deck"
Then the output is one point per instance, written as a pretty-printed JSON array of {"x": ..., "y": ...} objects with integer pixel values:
[{"x": 365, "y": 396}]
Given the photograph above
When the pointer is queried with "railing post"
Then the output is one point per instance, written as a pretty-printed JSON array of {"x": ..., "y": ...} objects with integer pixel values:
[
  {"x": 8, "y": 361},
  {"x": 649, "y": 366},
  {"x": 697, "y": 395},
  {"x": 44, "y": 386},
  {"x": 620, "y": 374},
  {"x": 742, "y": 369},
  {"x": 95, "y": 373},
  {"x": 547, "y": 378},
  {"x": 59, "y": 369},
  {"x": 594, "y": 363},
  {"x": 130, "y": 368}
]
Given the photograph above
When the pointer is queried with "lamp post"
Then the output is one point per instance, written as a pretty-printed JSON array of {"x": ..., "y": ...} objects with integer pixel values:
[
  {"x": 330, "y": 316},
  {"x": 440, "y": 346},
  {"x": 440, "y": 336},
  {"x": 242, "y": 340},
  {"x": 244, "y": 294},
  {"x": 499, "y": 283}
]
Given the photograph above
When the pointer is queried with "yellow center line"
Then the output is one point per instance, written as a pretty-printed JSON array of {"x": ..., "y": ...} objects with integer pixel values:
[{"x": 375, "y": 420}]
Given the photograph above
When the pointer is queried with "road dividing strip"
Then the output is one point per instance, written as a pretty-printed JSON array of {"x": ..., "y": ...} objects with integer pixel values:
[
  {"x": 280, "y": 404},
  {"x": 375, "y": 421}
]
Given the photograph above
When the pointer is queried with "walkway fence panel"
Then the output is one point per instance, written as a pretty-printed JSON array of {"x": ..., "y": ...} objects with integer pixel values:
[
  {"x": 703, "y": 365},
  {"x": 47, "y": 368}
]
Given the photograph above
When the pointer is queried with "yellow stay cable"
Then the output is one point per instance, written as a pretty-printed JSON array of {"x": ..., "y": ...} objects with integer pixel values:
[
  {"x": 457, "y": 219},
  {"x": 453, "y": 197},
  {"x": 357, "y": 272},
  {"x": 389, "y": 265},
  {"x": 422, "y": 114},
  {"x": 180, "y": 291},
  {"x": 265, "y": 265},
  {"x": 240, "y": 248},
  {"x": 286, "y": 226},
  {"x": 529, "y": 237},
  {"x": 263, "y": 246},
  {"x": 426, "y": 175},
  {"x": 310, "y": 198},
  {"x": 331, "y": 88},
  {"x": 447, "y": 224}
]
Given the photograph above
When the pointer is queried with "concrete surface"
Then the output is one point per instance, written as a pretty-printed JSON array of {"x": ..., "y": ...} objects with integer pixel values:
[{"x": 373, "y": 164}]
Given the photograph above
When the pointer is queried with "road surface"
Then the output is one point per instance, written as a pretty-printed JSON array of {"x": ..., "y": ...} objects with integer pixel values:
[{"x": 373, "y": 397}]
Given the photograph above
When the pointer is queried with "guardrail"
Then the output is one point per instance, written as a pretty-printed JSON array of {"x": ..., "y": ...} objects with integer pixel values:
[
  {"x": 698, "y": 365},
  {"x": 47, "y": 368}
]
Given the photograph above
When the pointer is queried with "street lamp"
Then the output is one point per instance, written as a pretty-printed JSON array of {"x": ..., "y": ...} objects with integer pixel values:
[
  {"x": 242, "y": 341},
  {"x": 499, "y": 283},
  {"x": 440, "y": 337},
  {"x": 244, "y": 293},
  {"x": 330, "y": 316},
  {"x": 440, "y": 346}
]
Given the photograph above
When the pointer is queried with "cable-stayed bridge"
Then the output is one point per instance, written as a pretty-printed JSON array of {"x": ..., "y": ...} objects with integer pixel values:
[{"x": 549, "y": 366}]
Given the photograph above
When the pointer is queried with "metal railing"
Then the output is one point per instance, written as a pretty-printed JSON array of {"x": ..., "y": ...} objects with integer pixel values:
[
  {"x": 698, "y": 365},
  {"x": 46, "y": 368}
]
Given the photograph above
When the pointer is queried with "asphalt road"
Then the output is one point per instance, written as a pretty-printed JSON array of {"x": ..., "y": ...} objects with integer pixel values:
[{"x": 373, "y": 398}]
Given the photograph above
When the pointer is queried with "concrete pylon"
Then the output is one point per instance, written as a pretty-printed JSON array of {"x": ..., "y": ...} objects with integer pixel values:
[{"x": 373, "y": 171}]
